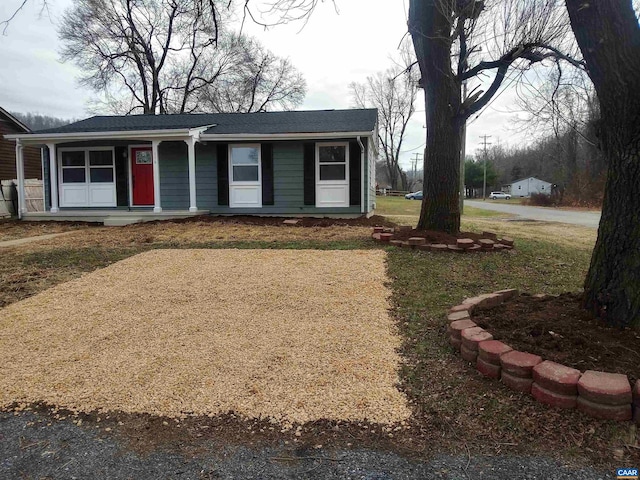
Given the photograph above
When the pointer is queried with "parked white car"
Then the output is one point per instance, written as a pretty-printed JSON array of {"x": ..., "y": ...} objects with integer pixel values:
[{"x": 499, "y": 195}]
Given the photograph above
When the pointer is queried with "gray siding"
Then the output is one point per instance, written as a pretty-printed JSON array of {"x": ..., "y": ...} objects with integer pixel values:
[
  {"x": 206, "y": 177},
  {"x": 288, "y": 175},
  {"x": 288, "y": 170},
  {"x": 174, "y": 176},
  {"x": 288, "y": 184}
]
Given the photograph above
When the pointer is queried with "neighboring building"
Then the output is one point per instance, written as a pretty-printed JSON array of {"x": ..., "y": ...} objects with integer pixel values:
[
  {"x": 527, "y": 186},
  {"x": 313, "y": 163},
  {"x": 9, "y": 125}
]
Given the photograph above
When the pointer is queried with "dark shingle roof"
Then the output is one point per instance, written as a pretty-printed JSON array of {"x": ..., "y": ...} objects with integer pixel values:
[{"x": 313, "y": 121}]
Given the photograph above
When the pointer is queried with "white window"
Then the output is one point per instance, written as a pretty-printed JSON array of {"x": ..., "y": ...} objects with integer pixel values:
[
  {"x": 87, "y": 177},
  {"x": 245, "y": 177},
  {"x": 332, "y": 174},
  {"x": 332, "y": 162},
  {"x": 245, "y": 162},
  {"x": 74, "y": 169}
]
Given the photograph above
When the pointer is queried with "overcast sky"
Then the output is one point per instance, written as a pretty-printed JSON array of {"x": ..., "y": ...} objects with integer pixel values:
[{"x": 331, "y": 51}]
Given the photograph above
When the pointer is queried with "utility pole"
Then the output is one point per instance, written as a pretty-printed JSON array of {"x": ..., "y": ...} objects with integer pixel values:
[
  {"x": 484, "y": 185},
  {"x": 414, "y": 166}
]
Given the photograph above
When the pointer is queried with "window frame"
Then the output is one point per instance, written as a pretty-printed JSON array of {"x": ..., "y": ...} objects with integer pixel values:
[
  {"x": 82, "y": 194},
  {"x": 258, "y": 165},
  {"x": 72, "y": 167},
  {"x": 87, "y": 164},
  {"x": 345, "y": 163}
]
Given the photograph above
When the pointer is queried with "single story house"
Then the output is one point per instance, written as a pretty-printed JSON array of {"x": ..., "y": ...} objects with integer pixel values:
[
  {"x": 314, "y": 163},
  {"x": 10, "y": 125},
  {"x": 525, "y": 187}
]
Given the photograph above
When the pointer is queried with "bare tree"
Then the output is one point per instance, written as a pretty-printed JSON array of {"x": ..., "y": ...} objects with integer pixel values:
[
  {"x": 561, "y": 110},
  {"x": 393, "y": 92},
  {"x": 259, "y": 81},
  {"x": 173, "y": 56},
  {"x": 459, "y": 41},
  {"x": 132, "y": 44},
  {"x": 20, "y": 5}
]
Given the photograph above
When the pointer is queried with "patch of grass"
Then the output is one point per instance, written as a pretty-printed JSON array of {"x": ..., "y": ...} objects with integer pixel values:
[
  {"x": 512, "y": 201},
  {"x": 25, "y": 274},
  {"x": 473, "y": 212},
  {"x": 448, "y": 394},
  {"x": 407, "y": 212},
  {"x": 562, "y": 234},
  {"x": 11, "y": 229},
  {"x": 392, "y": 206}
]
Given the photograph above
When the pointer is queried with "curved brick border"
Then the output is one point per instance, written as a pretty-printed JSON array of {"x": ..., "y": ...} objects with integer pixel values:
[
  {"x": 599, "y": 394},
  {"x": 463, "y": 245}
]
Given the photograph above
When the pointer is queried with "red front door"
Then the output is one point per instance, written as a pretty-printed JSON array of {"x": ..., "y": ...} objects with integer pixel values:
[{"x": 142, "y": 176}]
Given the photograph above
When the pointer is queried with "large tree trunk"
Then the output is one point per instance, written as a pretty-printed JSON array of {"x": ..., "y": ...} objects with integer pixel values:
[
  {"x": 609, "y": 37},
  {"x": 440, "y": 204}
]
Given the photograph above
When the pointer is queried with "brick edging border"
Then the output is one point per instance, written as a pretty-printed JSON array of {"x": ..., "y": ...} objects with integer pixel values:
[
  {"x": 463, "y": 245},
  {"x": 601, "y": 395}
]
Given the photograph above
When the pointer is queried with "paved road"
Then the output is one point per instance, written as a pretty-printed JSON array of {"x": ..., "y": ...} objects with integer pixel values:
[
  {"x": 586, "y": 219},
  {"x": 32, "y": 446}
]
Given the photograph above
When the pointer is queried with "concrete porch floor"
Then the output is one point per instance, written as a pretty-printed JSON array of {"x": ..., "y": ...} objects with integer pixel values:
[{"x": 110, "y": 218}]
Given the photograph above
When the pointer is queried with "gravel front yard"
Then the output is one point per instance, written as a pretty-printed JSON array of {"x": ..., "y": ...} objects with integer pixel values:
[{"x": 291, "y": 335}]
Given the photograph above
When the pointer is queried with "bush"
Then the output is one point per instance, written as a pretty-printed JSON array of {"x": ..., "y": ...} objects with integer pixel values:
[{"x": 542, "y": 200}]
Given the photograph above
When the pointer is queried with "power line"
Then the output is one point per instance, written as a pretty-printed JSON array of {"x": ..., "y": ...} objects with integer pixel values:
[{"x": 412, "y": 149}]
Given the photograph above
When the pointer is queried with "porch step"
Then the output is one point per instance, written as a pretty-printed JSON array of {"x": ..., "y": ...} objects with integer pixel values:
[{"x": 121, "y": 221}]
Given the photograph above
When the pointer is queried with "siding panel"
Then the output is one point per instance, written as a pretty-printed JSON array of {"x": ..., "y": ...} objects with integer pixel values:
[
  {"x": 288, "y": 175},
  {"x": 174, "y": 176},
  {"x": 206, "y": 177},
  {"x": 32, "y": 165}
]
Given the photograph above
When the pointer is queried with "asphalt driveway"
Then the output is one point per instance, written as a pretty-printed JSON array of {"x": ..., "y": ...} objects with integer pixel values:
[
  {"x": 586, "y": 219},
  {"x": 37, "y": 446}
]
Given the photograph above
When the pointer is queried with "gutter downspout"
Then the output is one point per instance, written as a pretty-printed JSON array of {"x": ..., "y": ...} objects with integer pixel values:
[
  {"x": 19, "y": 175},
  {"x": 362, "y": 186}
]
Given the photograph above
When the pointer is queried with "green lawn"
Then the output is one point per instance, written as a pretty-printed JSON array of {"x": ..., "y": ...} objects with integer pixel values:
[{"x": 405, "y": 211}]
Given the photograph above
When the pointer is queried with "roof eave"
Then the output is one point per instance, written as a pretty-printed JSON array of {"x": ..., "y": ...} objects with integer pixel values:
[
  {"x": 110, "y": 135},
  {"x": 14, "y": 120},
  {"x": 177, "y": 134},
  {"x": 281, "y": 136}
]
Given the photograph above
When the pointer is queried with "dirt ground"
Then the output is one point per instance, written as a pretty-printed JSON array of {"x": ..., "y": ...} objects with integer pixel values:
[
  {"x": 14, "y": 229},
  {"x": 203, "y": 232},
  {"x": 558, "y": 329},
  {"x": 293, "y": 336}
]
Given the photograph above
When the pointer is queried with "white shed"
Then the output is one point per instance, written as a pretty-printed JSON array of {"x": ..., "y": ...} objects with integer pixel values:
[{"x": 527, "y": 186}]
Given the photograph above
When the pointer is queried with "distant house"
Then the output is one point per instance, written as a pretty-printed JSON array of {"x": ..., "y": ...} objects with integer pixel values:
[
  {"x": 10, "y": 125},
  {"x": 527, "y": 186},
  {"x": 131, "y": 168}
]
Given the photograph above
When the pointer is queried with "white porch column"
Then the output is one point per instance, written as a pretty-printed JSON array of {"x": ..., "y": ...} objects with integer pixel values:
[
  {"x": 20, "y": 174},
  {"x": 53, "y": 177},
  {"x": 191, "y": 146},
  {"x": 157, "y": 208}
]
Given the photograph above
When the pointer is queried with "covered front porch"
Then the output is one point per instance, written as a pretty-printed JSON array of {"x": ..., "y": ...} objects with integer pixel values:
[{"x": 114, "y": 177}]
